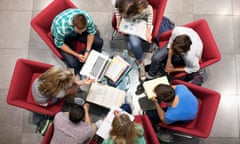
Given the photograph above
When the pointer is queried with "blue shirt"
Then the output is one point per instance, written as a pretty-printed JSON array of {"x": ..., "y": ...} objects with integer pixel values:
[{"x": 186, "y": 108}]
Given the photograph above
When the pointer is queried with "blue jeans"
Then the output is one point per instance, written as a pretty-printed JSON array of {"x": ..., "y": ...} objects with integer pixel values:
[
  {"x": 135, "y": 45},
  {"x": 158, "y": 61},
  {"x": 72, "y": 61},
  {"x": 153, "y": 116}
]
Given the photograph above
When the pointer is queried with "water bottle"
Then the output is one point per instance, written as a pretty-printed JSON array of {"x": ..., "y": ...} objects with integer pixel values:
[{"x": 125, "y": 54}]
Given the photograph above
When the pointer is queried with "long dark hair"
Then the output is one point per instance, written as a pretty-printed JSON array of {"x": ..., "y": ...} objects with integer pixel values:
[{"x": 131, "y": 7}]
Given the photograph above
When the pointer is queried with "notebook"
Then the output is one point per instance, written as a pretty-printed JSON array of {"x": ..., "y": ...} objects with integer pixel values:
[
  {"x": 146, "y": 104},
  {"x": 151, "y": 84}
]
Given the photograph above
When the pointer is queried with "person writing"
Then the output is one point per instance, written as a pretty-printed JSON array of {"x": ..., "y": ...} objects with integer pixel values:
[
  {"x": 54, "y": 84},
  {"x": 132, "y": 10},
  {"x": 182, "y": 53},
  {"x": 125, "y": 131},
  {"x": 182, "y": 104},
  {"x": 73, "y": 127},
  {"x": 75, "y": 24}
]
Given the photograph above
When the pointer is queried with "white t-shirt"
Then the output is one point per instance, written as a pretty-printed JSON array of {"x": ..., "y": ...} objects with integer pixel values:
[{"x": 192, "y": 57}]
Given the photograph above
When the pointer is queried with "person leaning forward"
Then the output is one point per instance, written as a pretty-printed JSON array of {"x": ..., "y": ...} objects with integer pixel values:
[{"x": 75, "y": 24}]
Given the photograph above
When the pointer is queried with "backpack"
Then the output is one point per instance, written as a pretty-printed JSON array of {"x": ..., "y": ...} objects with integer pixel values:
[
  {"x": 42, "y": 122},
  {"x": 165, "y": 25}
]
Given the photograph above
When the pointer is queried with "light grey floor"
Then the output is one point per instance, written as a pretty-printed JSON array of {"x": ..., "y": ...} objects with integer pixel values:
[{"x": 18, "y": 40}]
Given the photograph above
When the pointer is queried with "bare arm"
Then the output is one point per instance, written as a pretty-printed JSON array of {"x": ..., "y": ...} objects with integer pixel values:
[
  {"x": 86, "y": 117},
  {"x": 90, "y": 39},
  {"x": 86, "y": 81},
  {"x": 148, "y": 34},
  {"x": 169, "y": 67},
  {"x": 160, "y": 111},
  {"x": 118, "y": 20}
]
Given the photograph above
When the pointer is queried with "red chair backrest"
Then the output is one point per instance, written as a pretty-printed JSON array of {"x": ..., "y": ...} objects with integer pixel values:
[
  {"x": 202, "y": 125},
  {"x": 149, "y": 133},
  {"x": 41, "y": 23}
]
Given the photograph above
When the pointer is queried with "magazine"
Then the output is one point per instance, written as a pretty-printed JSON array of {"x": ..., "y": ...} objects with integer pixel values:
[{"x": 136, "y": 27}]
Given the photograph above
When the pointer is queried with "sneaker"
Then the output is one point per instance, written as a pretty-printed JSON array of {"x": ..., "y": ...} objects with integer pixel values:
[
  {"x": 149, "y": 77},
  {"x": 142, "y": 72}
]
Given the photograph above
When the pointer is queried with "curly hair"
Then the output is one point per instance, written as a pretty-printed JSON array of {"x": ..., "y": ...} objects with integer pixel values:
[{"x": 54, "y": 80}]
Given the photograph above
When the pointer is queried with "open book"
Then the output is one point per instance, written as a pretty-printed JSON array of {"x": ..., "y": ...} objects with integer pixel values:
[
  {"x": 105, "y": 96},
  {"x": 151, "y": 84},
  {"x": 104, "y": 129},
  {"x": 99, "y": 65},
  {"x": 136, "y": 27},
  {"x": 116, "y": 68}
]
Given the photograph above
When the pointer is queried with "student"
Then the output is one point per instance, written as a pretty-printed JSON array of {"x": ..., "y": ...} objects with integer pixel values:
[
  {"x": 182, "y": 104},
  {"x": 135, "y": 9},
  {"x": 182, "y": 53},
  {"x": 75, "y": 24},
  {"x": 125, "y": 131},
  {"x": 73, "y": 127},
  {"x": 53, "y": 85}
]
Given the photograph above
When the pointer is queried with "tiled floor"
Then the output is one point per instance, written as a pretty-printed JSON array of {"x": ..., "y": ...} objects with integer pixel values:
[{"x": 18, "y": 40}]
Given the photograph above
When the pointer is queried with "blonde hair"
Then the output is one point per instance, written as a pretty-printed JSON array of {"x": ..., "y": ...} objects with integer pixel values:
[
  {"x": 54, "y": 80},
  {"x": 123, "y": 130}
]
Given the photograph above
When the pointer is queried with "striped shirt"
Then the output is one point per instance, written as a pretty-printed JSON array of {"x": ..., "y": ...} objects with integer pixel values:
[{"x": 62, "y": 25}]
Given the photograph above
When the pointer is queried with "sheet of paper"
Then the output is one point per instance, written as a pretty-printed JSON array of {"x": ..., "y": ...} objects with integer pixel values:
[
  {"x": 134, "y": 27},
  {"x": 106, "y": 126},
  {"x": 151, "y": 84}
]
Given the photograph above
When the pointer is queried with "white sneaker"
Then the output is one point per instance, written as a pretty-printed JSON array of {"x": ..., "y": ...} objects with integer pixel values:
[
  {"x": 149, "y": 77},
  {"x": 142, "y": 72}
]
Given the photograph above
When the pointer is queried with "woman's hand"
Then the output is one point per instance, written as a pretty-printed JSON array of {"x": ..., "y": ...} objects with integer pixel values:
[
  {"x": 88, "y": 81},
  {"x": 149, "y": 37},
  {"x": 116, "y": 112}
]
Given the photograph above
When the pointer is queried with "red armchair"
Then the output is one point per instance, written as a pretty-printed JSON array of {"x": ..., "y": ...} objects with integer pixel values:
[
  {"x": 48, "y": 135},
  {"x": 20, "y": 93},
  {"x": 41, "y": 23},
  {"x": 208, "y": 101},
  {"x": 149, "y": 133},
  {"x": 158, "y": 11},
  {"x": 210, "y": 53}
]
